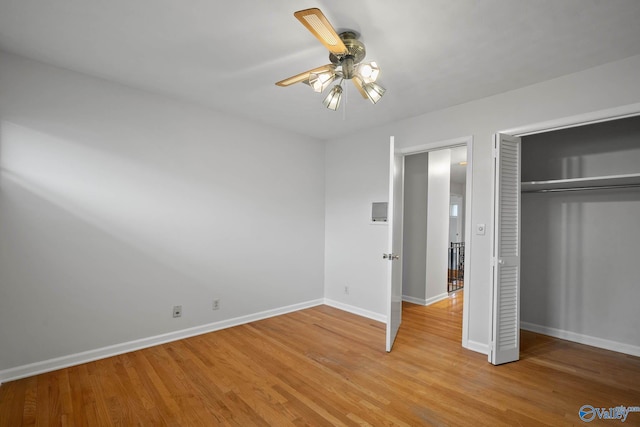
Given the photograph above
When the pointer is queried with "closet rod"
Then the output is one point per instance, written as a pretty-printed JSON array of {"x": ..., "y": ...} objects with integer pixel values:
[{"x": 586, "y": 188}]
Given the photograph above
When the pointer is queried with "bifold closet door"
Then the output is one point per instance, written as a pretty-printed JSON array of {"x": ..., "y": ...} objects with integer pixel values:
[{"x": 505, "y": 327}]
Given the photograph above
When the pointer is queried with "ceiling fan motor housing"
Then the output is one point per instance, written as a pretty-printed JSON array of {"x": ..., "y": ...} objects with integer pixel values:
[{"x": 355, "y": 54}]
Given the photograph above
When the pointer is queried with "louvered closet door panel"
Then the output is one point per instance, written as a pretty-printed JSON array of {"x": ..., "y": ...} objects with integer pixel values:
[{"x": 505, "y": 342}]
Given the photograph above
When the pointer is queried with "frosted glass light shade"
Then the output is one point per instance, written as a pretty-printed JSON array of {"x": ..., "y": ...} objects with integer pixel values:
[
  {"x": 374, "y": 91},
  {"x": 332, "y": 101},
  {"x": 320, "y": 81},
  {"x": 368, "y": 72}
]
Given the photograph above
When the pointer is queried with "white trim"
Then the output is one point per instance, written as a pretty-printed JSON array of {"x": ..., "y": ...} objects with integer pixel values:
[
  {"x": 609, "y": 114},
  {"x": 114, "y": 350},
  {"x": 477, "y": 347},
  {"x": 468, "y": 235},
  {"x": 468, "y": 232},
  {"x": 449, "y": 143},
  {"x": 425, "y": 302},
  {"x": 436, "y": 299},
  {"x": 633, "y": 350},
  {"x": 414, "y": 300},
  {"x": 356, "y": 310}
]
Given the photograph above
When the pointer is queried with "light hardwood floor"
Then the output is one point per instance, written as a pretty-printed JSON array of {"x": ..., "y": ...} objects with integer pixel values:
[{"x": 322, "y": 366}]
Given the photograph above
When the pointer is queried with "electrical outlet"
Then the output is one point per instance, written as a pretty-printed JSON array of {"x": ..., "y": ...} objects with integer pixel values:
[
  {"x": 346, "y": 290},
  {"x": 216, "y": 304},
  {"x": 177, "y": 311}
]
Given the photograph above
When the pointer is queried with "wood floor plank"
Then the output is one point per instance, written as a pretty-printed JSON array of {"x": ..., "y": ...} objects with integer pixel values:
[
  {"x": 30, "y": 402},
  {"x": 12, "y": 400},
  {"x": 323, "y": 366}
]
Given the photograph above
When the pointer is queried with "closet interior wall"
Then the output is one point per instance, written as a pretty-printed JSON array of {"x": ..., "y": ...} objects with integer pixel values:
[{"x": 580, "y": 249}]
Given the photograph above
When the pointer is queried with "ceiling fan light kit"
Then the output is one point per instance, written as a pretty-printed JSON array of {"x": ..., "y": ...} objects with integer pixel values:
[
  {"x": 368, "y": 72},
  {"x": 346, "y": 55},
  {"x": 320, "y": 81},
  {"x": 332, "y": 101},
  {"x": 374, "y": 91}
]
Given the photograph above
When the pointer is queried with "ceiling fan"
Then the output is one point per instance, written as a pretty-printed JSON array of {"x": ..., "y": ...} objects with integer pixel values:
[{"x": 346, "y": 53}]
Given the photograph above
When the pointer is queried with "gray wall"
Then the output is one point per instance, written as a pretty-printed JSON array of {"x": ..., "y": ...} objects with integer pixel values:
[
  {"x": 438, "y": 224},
  {"x": 607, "y": 148},
  {"x": 414, "y": 260},
  {"x": 580, "y": 249},
  {"x": 116, "y": 204}
]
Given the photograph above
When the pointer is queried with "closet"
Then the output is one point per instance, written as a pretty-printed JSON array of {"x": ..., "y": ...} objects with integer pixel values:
[{"x": 580, "y": 234}]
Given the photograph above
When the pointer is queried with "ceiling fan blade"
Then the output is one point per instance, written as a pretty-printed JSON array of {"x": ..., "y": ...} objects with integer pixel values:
[
  {"x": 304, "y": 76},
  {"x": 320, "y": 27},
  {"x": 358, "y": 83}
]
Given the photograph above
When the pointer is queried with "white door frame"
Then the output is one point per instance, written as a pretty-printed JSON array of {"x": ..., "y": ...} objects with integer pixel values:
[
  {"x": 625, "y": 111},
  {"x": 453, "y": 143}
]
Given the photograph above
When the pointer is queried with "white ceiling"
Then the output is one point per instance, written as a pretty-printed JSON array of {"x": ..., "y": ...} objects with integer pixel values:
[{"x": 228, "y": 55}]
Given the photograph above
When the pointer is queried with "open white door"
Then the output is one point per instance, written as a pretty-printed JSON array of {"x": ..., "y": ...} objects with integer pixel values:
[
  {"x": 394, "y": 252},
  {"x": 505, "y": 327}
]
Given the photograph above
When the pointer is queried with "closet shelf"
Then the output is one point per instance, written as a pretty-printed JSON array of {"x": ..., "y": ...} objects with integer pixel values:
[{"x": 593, "y": 183}]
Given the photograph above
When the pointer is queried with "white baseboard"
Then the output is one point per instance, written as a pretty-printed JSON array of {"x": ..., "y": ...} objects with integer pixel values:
[
  {"x": 422, "y": 301},
  {"x": 633, "y": 350},
  {"x": 414, "y": 300},
  {"x": 114, "y": 350},
  {"x": 356, "y": 310},
  {"x": 436, "y": 299},
  {"x": 476, "y": 346}
]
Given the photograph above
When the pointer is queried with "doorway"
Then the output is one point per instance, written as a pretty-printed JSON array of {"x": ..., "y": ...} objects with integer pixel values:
[
  {"x": 432, "y": 282},
  {"x": 433, "y": 237},
  {"x": 457, "y": 244}
]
